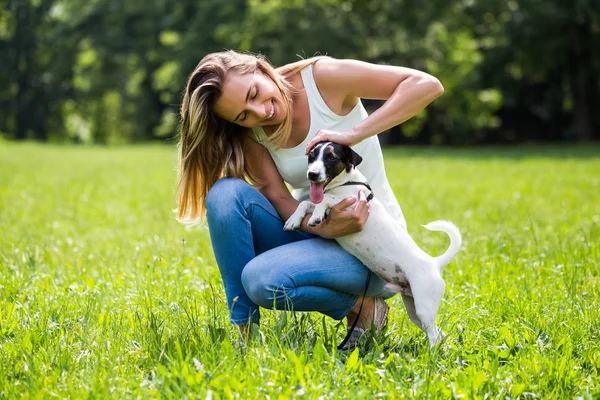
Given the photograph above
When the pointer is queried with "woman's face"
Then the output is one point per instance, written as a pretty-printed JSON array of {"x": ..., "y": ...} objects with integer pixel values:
[{"x": 251, "y": 100}]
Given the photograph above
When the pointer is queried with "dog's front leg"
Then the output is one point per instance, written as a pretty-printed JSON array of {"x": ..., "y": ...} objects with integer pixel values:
[
  {"x": 295, "y": 220},
  {"x": 322, "y": 209},
  {"x": 318, "y": 214}
]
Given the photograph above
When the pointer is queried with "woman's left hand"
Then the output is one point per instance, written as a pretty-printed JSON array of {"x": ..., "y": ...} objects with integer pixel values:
[{"x": 349, "y": 138}]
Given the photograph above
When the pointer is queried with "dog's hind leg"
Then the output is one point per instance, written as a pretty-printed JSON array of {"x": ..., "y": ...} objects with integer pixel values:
[
  {"x": 409, "y": 304},
  {"x": 428, "y": 291}
]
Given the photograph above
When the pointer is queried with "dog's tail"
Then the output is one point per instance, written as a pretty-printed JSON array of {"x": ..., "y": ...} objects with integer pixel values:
[{"x": 455, "y": 240}]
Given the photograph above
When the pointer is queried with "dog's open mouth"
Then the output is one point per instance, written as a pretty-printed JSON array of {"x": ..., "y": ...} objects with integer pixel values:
[{"x": 317, "y": 191}]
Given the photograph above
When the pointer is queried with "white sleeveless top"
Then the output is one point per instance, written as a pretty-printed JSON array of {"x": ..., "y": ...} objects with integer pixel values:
[{"x": 292, "y": 163}]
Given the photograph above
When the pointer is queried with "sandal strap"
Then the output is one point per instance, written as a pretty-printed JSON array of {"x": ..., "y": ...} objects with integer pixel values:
[{"x": 349, "y": 333}]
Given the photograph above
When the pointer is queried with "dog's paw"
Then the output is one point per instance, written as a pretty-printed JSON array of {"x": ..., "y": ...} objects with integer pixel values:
[
  {"x": 315, "y": 220},
  {"x": 292, "y": 224}
]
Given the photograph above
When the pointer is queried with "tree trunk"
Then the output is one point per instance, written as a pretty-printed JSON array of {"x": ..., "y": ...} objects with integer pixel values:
[
  {"x": 151, "y": 108},
  {"x": 22, "y": 64},
  {"x": 580, "y": 80},
  {"x": 100, "y": 132}
]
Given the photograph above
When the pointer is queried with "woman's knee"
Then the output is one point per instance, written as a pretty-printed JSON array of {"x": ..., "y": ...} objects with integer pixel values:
[
  {"x": 224, "y": 196},
  {"x": 263, "y": 284}
]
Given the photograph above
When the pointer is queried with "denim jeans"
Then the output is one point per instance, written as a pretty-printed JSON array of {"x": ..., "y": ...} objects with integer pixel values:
[{"x": 264, "y": 266}]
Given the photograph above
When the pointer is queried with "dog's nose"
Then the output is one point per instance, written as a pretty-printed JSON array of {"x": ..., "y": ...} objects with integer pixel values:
[{"x": 313, "y": 175}]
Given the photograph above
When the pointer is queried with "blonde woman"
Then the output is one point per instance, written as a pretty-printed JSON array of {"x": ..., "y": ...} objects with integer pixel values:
[{"x": 246, "y": 129}]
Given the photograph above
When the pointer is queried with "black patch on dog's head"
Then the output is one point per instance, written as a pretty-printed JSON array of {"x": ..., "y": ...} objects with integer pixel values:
[
  {"x": 336, "y": 157},
  {"x": 333, "y": 159},
  {"x": 314, "y": 152}
]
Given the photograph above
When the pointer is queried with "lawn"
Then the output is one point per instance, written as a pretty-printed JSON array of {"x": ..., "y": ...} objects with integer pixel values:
[{"x": 104, "y": 295}]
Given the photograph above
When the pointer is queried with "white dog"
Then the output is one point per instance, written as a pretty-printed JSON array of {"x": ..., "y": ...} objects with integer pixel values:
[{"x": 382, "y": 245}]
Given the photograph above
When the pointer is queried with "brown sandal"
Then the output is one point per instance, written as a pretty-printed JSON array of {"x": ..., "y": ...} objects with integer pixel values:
[
  {"x": 380, "y": 313},
  {"x": 357, "y": 335}
]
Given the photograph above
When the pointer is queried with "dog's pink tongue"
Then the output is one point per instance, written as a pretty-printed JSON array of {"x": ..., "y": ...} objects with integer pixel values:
[{"x": 317, "y": 192}]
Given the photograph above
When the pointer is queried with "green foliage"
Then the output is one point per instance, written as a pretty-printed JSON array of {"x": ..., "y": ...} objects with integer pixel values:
[
  {"x": 103, "y": 294},
  {"x": 512, "y": 70}
]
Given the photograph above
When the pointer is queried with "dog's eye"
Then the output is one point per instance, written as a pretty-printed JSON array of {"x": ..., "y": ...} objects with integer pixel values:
[{"x": 330, "y": 156}]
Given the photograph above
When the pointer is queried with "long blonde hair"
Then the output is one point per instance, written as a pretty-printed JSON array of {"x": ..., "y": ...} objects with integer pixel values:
[{"x": 210, "y": 147}]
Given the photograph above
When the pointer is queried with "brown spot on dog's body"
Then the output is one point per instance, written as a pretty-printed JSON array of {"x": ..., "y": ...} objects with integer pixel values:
[
  {"x": 403, "y": 285},
  {"x": 400, "y": 280}
]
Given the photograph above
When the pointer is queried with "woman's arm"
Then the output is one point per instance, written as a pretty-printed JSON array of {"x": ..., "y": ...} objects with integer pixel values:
[
  {"x": 275, "y": 190},
  {"x": 407, "y": 91}
]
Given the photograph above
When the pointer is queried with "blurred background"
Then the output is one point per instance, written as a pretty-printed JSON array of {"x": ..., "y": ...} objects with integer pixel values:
[{"x": 112, "y": 71}]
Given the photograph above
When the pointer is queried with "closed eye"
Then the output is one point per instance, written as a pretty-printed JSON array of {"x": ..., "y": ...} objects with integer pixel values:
[{"x": 243, "y": 115}]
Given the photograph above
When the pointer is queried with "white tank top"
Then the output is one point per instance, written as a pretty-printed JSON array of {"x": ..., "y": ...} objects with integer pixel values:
[{"x": 292, "y": 163}]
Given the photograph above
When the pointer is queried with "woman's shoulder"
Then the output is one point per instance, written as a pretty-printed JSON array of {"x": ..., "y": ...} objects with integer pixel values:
[
  {"x": 331, "y": 71},
  {"x": 328, "y": 75},
  {"x": 294, "y": 68}
]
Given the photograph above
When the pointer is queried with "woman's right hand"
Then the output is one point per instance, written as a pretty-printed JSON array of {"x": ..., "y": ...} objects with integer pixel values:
[{"x": 342, "y": 222}]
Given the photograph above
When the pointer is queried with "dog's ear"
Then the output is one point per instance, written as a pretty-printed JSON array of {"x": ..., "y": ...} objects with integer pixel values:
[
  {"x": 352, "y": 158},
  {"x": 356, "y": 158}
]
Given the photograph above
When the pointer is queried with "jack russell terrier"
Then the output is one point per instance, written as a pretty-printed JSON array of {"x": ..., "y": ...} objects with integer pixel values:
[{"x": 382, "y": 245}]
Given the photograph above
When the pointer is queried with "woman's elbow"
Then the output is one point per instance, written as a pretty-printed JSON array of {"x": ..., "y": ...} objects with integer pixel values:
[
  {"x": 439, "y": 88},
  {"x": 435, "y": 87},
  {"x": 429, "y": 86}
]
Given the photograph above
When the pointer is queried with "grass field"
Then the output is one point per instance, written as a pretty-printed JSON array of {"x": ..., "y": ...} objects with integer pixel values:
[{"x": 104, "y": 295}]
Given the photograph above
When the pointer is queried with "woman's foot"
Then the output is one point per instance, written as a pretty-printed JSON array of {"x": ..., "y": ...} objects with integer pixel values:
[
  {"x": 373, "y": 314},
  {"x": 365, "y": 315},
  {"x": 245, "y": 334}
]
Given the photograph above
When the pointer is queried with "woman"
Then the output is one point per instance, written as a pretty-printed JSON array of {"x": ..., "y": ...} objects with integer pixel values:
[{"x": 243, "y": 120}]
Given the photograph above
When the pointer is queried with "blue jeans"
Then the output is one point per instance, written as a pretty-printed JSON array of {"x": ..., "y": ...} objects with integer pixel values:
[{"x": 264, "y": 266}]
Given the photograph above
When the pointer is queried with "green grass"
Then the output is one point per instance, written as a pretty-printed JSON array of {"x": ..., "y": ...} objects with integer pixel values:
[{"x": 104, "y": 295}]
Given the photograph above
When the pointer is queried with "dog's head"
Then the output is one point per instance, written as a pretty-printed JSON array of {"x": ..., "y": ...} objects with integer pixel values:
[{"x": 327, "y": 160}]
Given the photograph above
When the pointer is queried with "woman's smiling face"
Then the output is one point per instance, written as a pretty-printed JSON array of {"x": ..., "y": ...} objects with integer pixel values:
[{"x": 251, "y": 100}]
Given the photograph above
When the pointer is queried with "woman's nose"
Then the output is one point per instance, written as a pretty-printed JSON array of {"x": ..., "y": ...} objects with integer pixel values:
[{"x": 260, "y": 110}]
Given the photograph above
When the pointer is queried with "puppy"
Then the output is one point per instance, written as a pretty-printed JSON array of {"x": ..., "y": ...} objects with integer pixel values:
[{"x": 382, "y": 245}]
